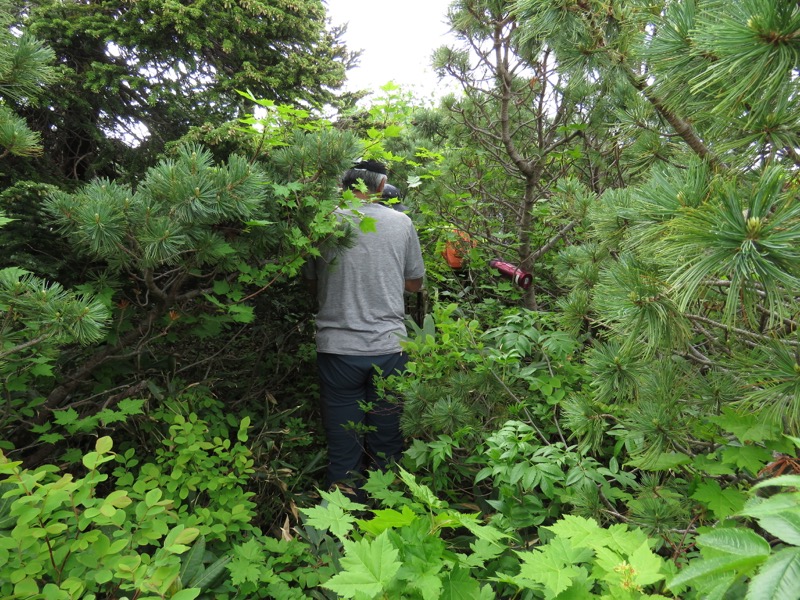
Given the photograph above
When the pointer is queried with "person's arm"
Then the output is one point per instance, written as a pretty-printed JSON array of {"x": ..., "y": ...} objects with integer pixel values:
[{"x": 413, "y": 285}]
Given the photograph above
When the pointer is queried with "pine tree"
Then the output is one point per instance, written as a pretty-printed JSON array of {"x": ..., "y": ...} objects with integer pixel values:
[
  {"x": 702, "y": 244},
  {"x": 135, "y": 76},
  {"x": 37, "y": 317}
]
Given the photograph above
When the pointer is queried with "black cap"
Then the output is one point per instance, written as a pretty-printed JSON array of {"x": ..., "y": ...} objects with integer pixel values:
[
  {"x": 371, "y": 165},
  {"x": 389, "y": 192}
]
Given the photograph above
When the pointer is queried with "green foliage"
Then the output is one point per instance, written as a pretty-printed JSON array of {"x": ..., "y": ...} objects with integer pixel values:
[
  {"x": 584, "y": 560},
  {"x": 25, "y": 66},
  {"x": 146, "y": 74},
  {"x": 38, "y": 318},
  {"x": 729, "y": 554},
  {"x": 178, "y": 527},
  {"x": 63, "y": 539},
  {"x": 402, "y": 551}
]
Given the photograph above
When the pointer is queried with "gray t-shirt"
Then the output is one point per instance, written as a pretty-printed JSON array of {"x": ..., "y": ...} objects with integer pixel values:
[{"x": 360, "y": 289}]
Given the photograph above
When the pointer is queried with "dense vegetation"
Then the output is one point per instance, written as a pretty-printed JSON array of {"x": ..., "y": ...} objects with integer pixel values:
[{"x": 627, "y": 427}]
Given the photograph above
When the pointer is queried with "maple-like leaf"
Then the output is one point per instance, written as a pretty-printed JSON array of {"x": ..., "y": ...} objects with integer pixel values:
[
  {"x": 368, "y": 568},
  {"x": 647, "y": 567},
  {"x": 458, "y": 585},
  {"x": 723, "y": 503},
  {"x": 329, "y": 518},
  {"x": 551, "y": 566}
]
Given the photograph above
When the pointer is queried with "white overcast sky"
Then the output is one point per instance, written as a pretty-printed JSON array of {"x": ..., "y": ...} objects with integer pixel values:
[{"x": 397, "y": 38}]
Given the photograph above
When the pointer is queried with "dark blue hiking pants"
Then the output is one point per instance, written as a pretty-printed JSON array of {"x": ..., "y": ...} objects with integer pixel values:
[{"x": 359, "y": 439}]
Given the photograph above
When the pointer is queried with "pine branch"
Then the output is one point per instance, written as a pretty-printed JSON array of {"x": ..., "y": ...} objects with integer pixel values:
[
  {"x": 737, "y": 330},
  {"x": 553, "y": 240},
  {"x": 25, "y": 345},
  {"x": 682, "y": 127}
]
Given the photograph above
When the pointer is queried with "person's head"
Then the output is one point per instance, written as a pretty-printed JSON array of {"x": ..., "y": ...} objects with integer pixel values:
[
  {"x": 371, "y": 172},
  {"x": 389, "y": 192},
  {"x": 393, "y": 197}
]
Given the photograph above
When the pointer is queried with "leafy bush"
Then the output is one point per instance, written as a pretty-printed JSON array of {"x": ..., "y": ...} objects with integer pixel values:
[
  {"x": 180, "y": 526},
  {"x": 767, "y": 559}
]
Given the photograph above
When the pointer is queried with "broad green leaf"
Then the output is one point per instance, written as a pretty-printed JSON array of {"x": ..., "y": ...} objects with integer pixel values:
[
  {"x": 388, "y": 519},
  {"x": 784, "y": 526},
  {"x": 746, "y": 427},
  {"x": 547, "y": 566},
  {"x": 420, "y": 492},
  {"x": 723, "y": 503},
  {"x": 329, "y": 518},
  {"x": 458, "y": 585},
  {"x": 429, "y": 586},
  {"x": 577, "y": 529},
  {"x": 737, "y": 541},
  {"x": 103, "y": 445},
  {"x": 647, "y": 567},
  {"x": 367, "y": 225},
  {"x": 187, "y": 594},
  {"x": 206, "y": 578},
  {"x": 715, "y": 587},
  {"x": 368, "y": 568},
  {"x": 482, "y": 532},
  {"x": 663, "y": 462},
  {"x": 192, "y": 561},
  {"x": 778, "y": 578},
  {"x": 619, "y": 538},
  {"x": 777, "y": 504},
  {"x": 337, "y": 498},
  {"x": 25, "y": 588},
  {"x": 243, "y": 571},
  {"x": 698, "y": 570},
  {"x": 42, "y": 370},
  {"x": 152, "y": 497},
  {"x": 752, "y": 458},
  {"x": 179, "y": 537}
]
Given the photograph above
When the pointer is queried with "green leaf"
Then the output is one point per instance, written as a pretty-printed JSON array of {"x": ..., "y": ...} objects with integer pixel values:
[
  {"x": 778, "y": 578},
  {"x": 419, "y": 491},
  {"x": 187, "y": 594},
  {"x": 699, "y": 570},
  {"x": 131, "y": 406},
  {"x": 42, "y": 370},
  {"x": 784, "y": 526},
  {"x": 177, "y": 539},
  {"x": 458, "y": 585},
  {"x": 664, "y": 461},
  {"x": 367, "y": 225},
  {"x": 752, "y": 458},
  {"x": 736, "y": 541},
  {"x": 65, "y": 417},
  {"x": 774, "y": 505},
  {"x": 192, "y": 561},
  {"x": 206, "y": 578},
  {"x": 387, "y": 519},
  {"x": 548, "y": 566},
  {"x": 647, "y": 567},
  {"x": 103, "y": 445},
  {"x": 743, "y": 550},
  {"x": 577, "y": 529},
  {"x": 329, "y": 518},
  {"x": 723, "y": 503},
  {"x": 746, "y": 427},
  {"x": 244, "y": 571},
  {"x": 429, "y": 585},
  {"x": 368, "y": 568}
]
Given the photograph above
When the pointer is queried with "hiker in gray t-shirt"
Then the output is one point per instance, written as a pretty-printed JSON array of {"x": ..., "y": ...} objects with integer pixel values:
[{"x": 360, "y": 320}]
